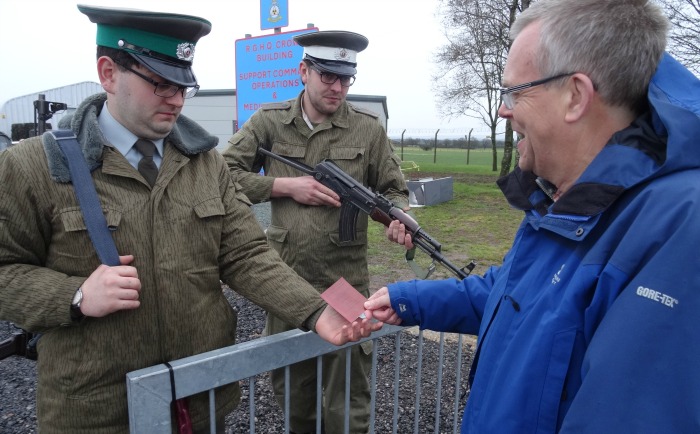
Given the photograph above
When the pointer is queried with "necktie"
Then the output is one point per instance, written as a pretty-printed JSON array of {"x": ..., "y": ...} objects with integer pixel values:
[{"x": 146, "y": 166}]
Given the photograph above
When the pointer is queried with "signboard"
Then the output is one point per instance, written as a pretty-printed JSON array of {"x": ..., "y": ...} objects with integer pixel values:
[
  {"x": 267, "y": 70},
  {"x": 274, "y": 13}
]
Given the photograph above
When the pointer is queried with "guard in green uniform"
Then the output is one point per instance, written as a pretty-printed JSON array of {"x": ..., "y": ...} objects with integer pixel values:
[
  {"x": 319, "y": 124},
  {"x": 179, "y": 232}
]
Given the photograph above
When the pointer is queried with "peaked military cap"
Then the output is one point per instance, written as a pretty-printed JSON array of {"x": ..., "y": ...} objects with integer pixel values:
[
  {"x": 333, "y": 51},
  {"x": 160, "y": 41}
]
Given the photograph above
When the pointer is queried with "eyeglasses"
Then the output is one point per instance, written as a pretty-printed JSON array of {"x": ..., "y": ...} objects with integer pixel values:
[
  {"x": 329, "y": 78},
  {"x": 165, "y": 90},
  {"x": 508, "y": 93}
]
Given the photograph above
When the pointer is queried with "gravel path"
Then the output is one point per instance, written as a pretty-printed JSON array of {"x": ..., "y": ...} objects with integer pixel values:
[{"x": 18, "y": 381}]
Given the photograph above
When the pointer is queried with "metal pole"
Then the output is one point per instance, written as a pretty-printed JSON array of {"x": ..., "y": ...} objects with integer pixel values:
[
  {"x": 435, "y": 147},
  {"x": 469, "y": 144},
  {"x": 404, "y": 131},
  {"x": 41, "y": 117}
]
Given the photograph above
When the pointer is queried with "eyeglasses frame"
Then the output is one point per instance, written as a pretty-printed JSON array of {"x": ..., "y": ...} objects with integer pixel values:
[
  {"x": 187, "y": 91},
  {"x": 507, "y": 92},
  {"x": 337, "y": 76}
]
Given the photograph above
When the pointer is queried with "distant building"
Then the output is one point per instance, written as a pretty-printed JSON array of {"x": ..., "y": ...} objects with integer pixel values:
[
  {"x": 20, "y": 110},
  {"x": 214, "y": 110}
]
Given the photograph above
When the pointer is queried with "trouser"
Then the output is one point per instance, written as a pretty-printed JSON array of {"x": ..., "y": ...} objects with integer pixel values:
[
  {"x": 220, "y": 427},
  {"x": 302, "y": 388}
]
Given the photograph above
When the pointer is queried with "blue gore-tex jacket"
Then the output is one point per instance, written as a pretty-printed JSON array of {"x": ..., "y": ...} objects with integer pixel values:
[{"x": 590, "y": 324}]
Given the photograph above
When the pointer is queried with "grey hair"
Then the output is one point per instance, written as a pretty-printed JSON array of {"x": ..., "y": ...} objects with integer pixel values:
[{"x": 617, "y": 43}]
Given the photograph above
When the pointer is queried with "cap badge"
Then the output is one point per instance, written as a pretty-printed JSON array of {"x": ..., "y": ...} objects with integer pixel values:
[
  {"x": 341, "y": 54},
  {"x": 185, "y": 51}
]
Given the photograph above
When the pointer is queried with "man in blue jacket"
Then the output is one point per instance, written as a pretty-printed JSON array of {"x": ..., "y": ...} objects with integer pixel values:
[{"x": 588, "y": 325}]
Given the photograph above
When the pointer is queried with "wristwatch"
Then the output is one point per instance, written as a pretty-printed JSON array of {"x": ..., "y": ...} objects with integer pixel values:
[{"x": 75, "y": 312}]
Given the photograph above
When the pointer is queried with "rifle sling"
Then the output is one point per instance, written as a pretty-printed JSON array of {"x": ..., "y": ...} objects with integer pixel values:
[{"x": 87, "y": 197}]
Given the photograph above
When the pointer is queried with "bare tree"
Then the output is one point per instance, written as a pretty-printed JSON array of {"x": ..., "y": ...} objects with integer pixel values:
[
  {"x": 472, "y": 63},
  {"x": 684, "y": 37},
  {"x": 513, "y": 7}
]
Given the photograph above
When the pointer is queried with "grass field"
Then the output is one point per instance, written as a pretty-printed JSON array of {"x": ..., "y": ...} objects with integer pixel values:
[
  {"x": 476, "y": 225},
  {"x": 450, "y": 160}
]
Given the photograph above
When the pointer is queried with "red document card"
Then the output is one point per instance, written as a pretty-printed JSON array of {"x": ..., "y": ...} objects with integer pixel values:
[{"x": 344, "y": 298}]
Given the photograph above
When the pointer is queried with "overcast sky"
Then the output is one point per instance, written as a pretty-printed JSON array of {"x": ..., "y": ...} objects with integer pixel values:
[{"x": 49, "y": 43}]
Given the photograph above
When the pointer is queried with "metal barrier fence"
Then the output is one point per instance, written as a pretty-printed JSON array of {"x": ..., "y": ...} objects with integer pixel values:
[{"x": 149, "y": 392}]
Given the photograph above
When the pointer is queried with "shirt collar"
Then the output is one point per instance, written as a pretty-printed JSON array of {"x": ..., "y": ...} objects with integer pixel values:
[
  {"x": 118, "y": 135},
  {"x": 305, "y": 116}
]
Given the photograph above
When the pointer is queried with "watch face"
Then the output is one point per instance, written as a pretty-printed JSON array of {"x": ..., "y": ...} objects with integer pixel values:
[{"x": 78, "y": 297}]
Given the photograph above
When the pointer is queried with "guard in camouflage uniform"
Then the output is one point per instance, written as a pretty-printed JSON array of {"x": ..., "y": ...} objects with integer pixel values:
[
  {"x": 319, "y": 124},
  {"x": 180, "y": 233}
]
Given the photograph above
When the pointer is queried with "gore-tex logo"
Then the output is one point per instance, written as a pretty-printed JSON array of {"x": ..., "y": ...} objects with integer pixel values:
[{"x": 657, "y": 296}]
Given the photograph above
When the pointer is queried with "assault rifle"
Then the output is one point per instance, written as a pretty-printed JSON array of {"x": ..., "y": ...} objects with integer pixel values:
[{"x": 355, "y": 197}]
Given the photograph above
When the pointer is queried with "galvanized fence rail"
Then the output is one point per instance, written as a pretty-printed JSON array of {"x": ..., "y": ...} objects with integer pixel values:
[{"x": 150, "y": 396}]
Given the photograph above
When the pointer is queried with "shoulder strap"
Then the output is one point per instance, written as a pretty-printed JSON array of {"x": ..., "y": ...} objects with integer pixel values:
[
  {"x": 87, "y": 197},
  {"x": 363, "y": 110},
  {"x": 283, "y": 105}
]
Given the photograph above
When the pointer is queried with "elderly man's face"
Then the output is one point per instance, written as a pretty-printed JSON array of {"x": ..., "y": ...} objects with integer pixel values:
[{"x": 535, "y": 115}]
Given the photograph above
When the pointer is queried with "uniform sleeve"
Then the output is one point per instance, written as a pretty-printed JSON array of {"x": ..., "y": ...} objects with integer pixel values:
[
  {"x": 449, "y": 305},
  {"x": 32, "y": 296},
  {"x": 252, "y": 268},
  {"x": 241, "y": 158}
]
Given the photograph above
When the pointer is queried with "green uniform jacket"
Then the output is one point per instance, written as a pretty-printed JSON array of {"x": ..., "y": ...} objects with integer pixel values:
[
  {"x": 307, "y": 236},
  {"x": 191, "y": 231}
]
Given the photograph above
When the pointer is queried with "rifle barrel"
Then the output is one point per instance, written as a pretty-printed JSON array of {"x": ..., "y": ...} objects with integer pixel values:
[{"x": 295, "y": 164}]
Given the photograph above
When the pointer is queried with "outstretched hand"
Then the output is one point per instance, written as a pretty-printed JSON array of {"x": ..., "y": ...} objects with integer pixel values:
[
  {"x": 379, "y": 304},
  {"x": 332, "y": 327}
]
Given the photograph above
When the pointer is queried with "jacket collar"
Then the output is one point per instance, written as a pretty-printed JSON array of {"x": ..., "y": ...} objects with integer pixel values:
[
  {"x": 187, "y": 137},
  {"x": 661, "y": 141},
  {"x": 338, "y": 119},
  {"x": 627, "y": 159}
]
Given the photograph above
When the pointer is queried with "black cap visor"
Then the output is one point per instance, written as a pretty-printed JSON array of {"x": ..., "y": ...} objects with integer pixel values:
[
  {"x": 333, "y": 67},
  {"x": 176, "y": 73}
]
